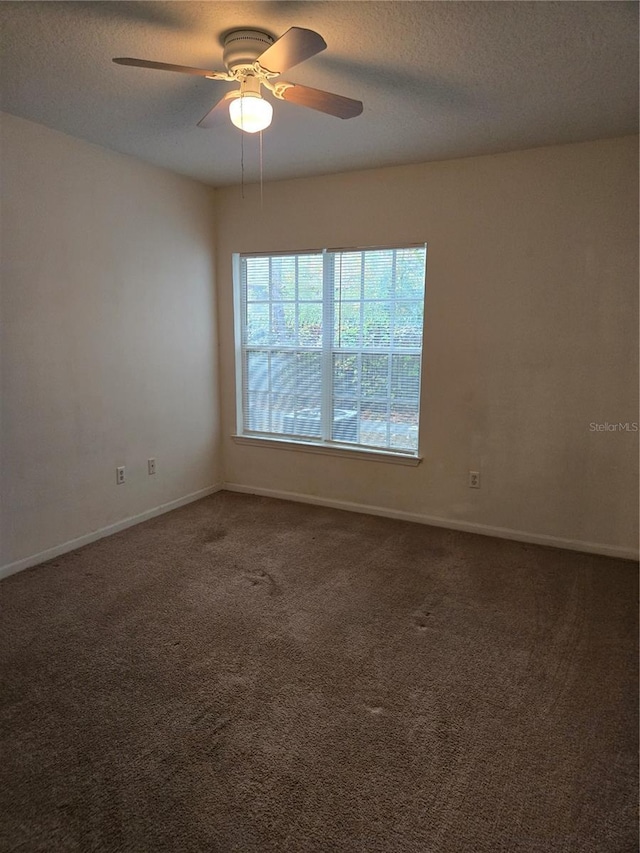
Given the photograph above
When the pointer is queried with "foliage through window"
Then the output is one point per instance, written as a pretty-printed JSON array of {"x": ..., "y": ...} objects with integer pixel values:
[{"x": 331, "y": 346}]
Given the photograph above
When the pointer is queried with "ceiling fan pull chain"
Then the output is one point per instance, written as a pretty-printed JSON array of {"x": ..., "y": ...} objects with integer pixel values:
[
  {"x": 261, "y": 199},
  {"x": 241, "y": 157}
]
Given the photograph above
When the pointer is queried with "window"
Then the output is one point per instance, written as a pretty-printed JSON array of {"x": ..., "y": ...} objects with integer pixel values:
[{"x": 330, "y": 347}]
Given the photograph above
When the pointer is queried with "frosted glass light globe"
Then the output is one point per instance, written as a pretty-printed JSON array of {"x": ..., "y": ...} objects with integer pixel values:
[{"x": 250, "y": 112}]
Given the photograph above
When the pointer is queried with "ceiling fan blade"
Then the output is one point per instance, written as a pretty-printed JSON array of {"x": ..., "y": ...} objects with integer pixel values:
[
  {"x": 296, "y": 45},
  {"x": 325, "y": 102},
  {"x": 217, "y": 112},
  {"x": 165, "y": 66}
]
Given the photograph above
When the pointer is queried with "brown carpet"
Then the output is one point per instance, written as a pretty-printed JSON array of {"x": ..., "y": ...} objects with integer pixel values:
[{"x": 253, "y": 675}]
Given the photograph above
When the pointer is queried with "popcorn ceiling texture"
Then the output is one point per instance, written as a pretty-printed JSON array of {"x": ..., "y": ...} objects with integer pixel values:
[
  {"x": 438, "y": 80},
  {"x": 247, "y": 674}
]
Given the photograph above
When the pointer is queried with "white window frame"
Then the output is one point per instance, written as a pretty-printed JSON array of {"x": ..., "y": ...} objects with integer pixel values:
[{"x": 308, "y": 445}]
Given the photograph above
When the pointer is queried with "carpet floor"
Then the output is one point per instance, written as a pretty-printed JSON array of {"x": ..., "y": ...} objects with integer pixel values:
[{"x": 248, "y": 675}]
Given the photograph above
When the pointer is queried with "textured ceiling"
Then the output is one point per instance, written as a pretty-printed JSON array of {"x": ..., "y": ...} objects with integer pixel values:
[{"x": 438, "y": 79}]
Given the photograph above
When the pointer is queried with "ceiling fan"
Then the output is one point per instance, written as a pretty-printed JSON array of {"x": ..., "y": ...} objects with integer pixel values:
[{"x": 253, "y": 59}]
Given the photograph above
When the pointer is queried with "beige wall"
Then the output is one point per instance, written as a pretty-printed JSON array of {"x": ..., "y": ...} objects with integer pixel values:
[
  {"x": 109, "y": 349},
  {"x": 108, "y": 338},
  {"x": 531, "y": 335}
]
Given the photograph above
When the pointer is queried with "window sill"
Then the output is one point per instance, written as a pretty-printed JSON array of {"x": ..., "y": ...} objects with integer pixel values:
[{"x": 345, "y": 451}]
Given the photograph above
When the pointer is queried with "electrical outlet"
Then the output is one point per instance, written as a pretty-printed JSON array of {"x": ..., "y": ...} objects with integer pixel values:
[
  {"x": 120, "y": 475},
  {"x": 474, "y": 479},
  {"x": 151, "y": 466}
]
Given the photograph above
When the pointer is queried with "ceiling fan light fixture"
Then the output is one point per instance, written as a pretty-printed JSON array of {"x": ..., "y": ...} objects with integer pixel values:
[{"x": 250, "y": 112}]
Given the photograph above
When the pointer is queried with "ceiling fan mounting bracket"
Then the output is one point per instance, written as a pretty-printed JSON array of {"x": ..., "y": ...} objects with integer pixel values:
[
  {"x": 278, "y": 89},
  {"x": 242, "y": 48}
]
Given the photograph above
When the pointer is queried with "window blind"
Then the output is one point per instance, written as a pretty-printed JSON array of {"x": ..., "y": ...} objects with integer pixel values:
[{"x": 331, "y": 346}]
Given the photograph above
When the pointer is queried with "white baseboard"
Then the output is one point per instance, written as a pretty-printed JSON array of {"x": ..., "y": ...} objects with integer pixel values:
[
  {"x": 452, "y": 524},
  {"x": 72, "y": 544},
  {"x": 367, "y": 509}
]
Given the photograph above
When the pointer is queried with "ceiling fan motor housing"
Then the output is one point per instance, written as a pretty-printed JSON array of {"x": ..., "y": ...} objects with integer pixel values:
[{"x": 243, "y": 47}]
